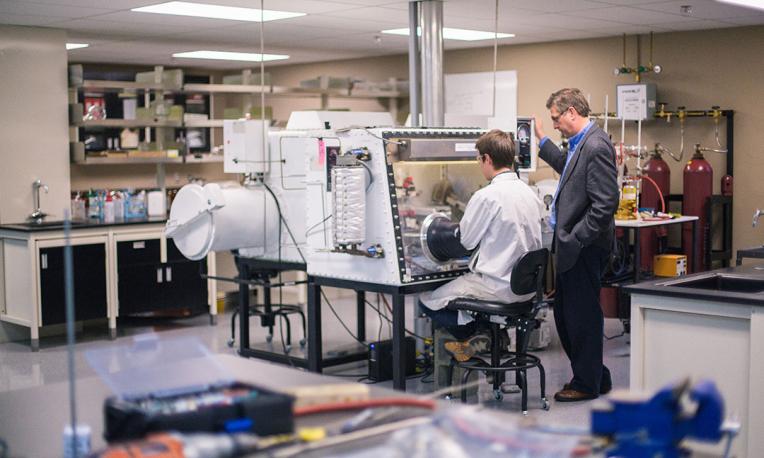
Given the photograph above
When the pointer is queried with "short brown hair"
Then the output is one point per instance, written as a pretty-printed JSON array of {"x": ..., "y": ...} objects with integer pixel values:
[
  {"x": 569, "y": 97},
  {"x": 499, "y": 145}
]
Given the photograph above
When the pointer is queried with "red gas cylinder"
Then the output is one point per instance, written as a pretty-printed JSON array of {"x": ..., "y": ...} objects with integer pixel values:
[
  {"x": 698, "y": 187},
  {"x": 658, "y": 171}
]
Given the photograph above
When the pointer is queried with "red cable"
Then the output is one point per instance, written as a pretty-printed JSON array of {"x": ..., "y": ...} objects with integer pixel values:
[
  {"x": 357, "y": 405},
  {"x": 657, "y": 188}
]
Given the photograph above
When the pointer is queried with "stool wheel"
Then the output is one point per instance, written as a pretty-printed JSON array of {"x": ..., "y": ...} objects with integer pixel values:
[
  {"x": 544, "y": 404},
  {"x": 269, "y": 338},
  {"x": 230, "y": 343},
  {"x": 498, "y": 395}
]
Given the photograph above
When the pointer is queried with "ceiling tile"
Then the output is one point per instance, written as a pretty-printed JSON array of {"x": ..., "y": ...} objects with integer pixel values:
[
  {"x": 388, "y": 3},
  {"x": 111, "y": 4},
  {"x": 630, "y": 2},
  {"x": 696, "y": 25},
  {"x": 343, "y": 24},
  {"x": 484, "y": 9},
  {"x": 296, "y": 6},
  {"x": 566, "y": 21},
  {"x": 385, "y": 15},
  {"x": 43, "y": 9},
  {"x": 123, "y": 28},
  {"x": 28, "y": 20},
  {"x": 161, "y": 20},
  {"x": 549, "y": 6},
  {"x": 629, "y": 15},
  {"x": 281, "y": 35},
  {"x": 701, "y": 9},
  {"x": 757, "y": 19},
  {"x": 337, "y": 29}
]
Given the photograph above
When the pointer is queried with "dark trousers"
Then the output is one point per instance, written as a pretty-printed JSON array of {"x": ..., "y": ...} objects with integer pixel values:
[
  {"x": 579, "y": 320},
  {"x": 449, "y": 320}
]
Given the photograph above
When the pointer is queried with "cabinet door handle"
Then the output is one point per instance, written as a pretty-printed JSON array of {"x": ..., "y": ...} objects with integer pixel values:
[
  {"x": 44, "y": 261},
  {"x": 159, "y": 275},
  {"x": 168, "y": 274}
]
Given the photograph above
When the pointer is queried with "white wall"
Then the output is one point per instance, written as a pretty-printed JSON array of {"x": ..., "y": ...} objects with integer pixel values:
[{"x": 34, "y": 134}]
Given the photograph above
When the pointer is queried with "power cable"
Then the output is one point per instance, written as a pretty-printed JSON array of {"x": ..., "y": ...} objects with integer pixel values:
[
  {"x": 299, "y": 251},
  {"x": 390, "y": 321}
]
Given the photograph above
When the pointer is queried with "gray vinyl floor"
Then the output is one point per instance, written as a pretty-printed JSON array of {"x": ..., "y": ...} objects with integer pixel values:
[{"x": 20, "y": 368}]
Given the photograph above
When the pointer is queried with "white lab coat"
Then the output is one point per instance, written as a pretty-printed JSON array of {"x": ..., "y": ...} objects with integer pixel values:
[{"x": 503, "y": 221}]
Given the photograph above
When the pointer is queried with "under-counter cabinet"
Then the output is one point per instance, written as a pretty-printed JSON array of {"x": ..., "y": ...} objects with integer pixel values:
[
  {"x": 151, "y": 282},
  {"x": 119, "y": 269},
  {"x": 89, "y": 281}
]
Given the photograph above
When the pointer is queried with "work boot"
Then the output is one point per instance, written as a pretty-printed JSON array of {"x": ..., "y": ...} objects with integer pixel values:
[
  {"x": 463, "y": 350},
  {"x": 442, "y": 361}
]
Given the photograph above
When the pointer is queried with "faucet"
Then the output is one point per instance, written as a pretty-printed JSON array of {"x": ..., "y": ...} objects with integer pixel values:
[
  {"x": 756, "y": 215},
  {"x": 37, "y": 214}
]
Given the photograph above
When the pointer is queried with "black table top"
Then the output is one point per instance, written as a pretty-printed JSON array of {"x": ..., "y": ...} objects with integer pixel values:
[{"x": 58, "y": 225}]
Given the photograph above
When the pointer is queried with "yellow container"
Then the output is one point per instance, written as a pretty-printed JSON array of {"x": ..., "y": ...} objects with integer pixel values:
[{"x": 669, "y": 265}]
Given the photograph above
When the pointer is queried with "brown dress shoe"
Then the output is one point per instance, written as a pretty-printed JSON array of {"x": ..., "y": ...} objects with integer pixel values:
[
  {"x": 570, "y": 395},
  {"x": 604, "y": 389}
]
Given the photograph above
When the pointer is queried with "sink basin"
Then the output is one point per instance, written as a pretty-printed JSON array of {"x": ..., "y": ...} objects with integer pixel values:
[{"x": 722, "y": 282}]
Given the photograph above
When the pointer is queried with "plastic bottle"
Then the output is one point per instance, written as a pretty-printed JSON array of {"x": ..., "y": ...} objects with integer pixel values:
[
  {"x": 79, "y": 211},
  {"x": 93, "y": 208},
  {"x": 119, "y": 205},
  {"x": 101, "y": 200},
  {"x": 108, "y": 209}
]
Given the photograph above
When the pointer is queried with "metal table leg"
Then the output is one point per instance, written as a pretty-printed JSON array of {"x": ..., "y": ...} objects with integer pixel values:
[
  {"x": 695, "y": 254},
  {"x": 243, "y": 309},
  {"x": 360, "y": 298},
  {"x": 315, "y": 351},
  {"x": 637, "y": 256},
  {"x": 399, "y": 363}
]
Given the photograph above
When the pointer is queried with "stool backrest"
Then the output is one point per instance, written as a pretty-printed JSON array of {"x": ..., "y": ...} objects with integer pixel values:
[{"x": 528, "y": 273}]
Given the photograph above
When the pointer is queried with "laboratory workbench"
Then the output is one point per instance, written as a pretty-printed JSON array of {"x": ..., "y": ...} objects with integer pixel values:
[
  {"x": 120, "y": 268},
  {"x": 705, "y": 325},
  {"x": 33, "y": 419}
]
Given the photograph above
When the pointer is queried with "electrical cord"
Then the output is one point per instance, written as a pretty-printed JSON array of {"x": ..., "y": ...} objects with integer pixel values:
[
  {"x": 371, "y": 176},
  {"x": 390, "y": 321},
  {"x": 307, "y": 232},
  {"x": 299, "y": 251},
  {"x": 281, "y": 295},
  {"x": 342, "y": 323},
  {"x": 385, "y": 140},
  {"x": 379, "y": 330}
]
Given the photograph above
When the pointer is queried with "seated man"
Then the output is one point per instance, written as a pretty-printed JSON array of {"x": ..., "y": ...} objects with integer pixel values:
[{"x": 502, "y": 222}]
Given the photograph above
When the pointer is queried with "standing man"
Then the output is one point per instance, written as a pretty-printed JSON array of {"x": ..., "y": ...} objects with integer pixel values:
[{"x": 584, "y": 227}]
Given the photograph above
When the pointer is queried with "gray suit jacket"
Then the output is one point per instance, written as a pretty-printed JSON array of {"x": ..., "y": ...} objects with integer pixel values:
[{"x": 587, "y": 198}]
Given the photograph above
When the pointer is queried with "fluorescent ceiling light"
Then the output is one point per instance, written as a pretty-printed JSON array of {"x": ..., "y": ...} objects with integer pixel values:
[
  {"x": 216, "y": 11},
  {"x": 225, "y": 55},
  {"x": 70, "y": 46},
  {"x": 456, "y": 34},
  {"x": 755, "y": 4}
]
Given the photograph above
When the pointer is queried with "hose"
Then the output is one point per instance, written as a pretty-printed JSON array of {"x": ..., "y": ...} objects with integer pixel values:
[{"x": 657, "y": 188}]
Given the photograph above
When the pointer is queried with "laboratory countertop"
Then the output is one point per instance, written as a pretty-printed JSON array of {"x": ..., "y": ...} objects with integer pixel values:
[
  {"x": 58, "y": 225},
  {"x": 739, "y": 285},
  {"x": 32, "y": 420}
]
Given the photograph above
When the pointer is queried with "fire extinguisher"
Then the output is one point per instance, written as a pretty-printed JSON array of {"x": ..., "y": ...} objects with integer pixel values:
[{"x": 697, "y": 188}]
